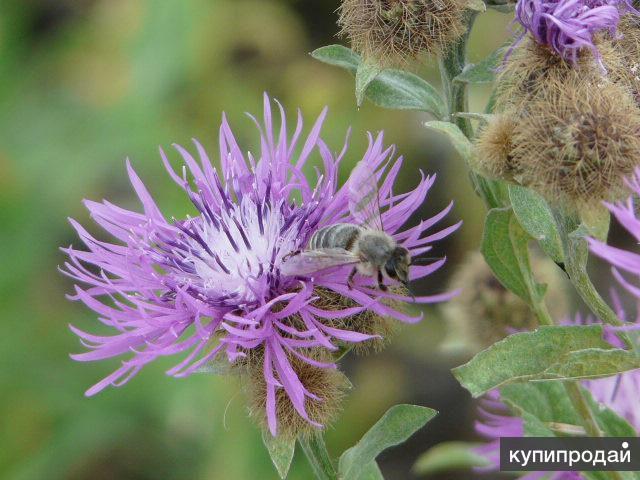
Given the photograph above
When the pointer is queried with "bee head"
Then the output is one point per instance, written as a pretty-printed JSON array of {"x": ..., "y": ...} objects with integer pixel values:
[{"x": 397, "y": 267}]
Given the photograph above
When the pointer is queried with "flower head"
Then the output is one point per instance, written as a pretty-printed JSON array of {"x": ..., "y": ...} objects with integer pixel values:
[
  {"x": 210, "y": 286},
  {"x": 393, "y": 32},
  {"x": 569, "y": 26}
]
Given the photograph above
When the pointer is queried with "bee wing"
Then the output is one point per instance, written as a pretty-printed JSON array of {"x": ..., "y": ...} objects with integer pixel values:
[
  {"x": 311, "y": 261},
  {"x": 364, "y": 198}
]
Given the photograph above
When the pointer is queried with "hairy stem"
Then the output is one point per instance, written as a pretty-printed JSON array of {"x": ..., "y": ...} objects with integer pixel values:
[
  {"x": 318, "y": 456},
  {"x": 451, "y": 66}
]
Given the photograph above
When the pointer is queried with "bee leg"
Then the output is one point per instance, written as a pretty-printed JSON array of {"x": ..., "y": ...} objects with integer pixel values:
[
  {"x": 381, "y": 285},
  {"x": 291, "y": 254},
  {"x": 350, "y": 279}
]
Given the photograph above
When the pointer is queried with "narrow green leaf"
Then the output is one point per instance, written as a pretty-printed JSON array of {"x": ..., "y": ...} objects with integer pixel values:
[
  {"x": 395, "y": 427},
  {"x": 449, "y": 456},
  {"x": 339, "y": 56},
  {"x": 505, "y": 249},
  {"x": 536, "y": 217},
  {"x": 393, "y": 89},
  {"x": 365, "y": 74},
  {"x": 531, "y": 356},
  {"x": 483, "y": 72},
  {"x": 281, "y": 451},
  {"x": 593, "y": 363},
  {"x": 459, "y": 141}
]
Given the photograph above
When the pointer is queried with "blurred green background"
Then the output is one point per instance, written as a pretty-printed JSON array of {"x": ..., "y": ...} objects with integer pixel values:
[{"x": 86, "y": 83}]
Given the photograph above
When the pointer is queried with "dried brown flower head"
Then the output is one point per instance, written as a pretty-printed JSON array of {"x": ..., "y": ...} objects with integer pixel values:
[
  {"x": 576, "y": 143},
  {"x": 391, "y": 32},
  {"x": 328, "y": 384},
  {"x": 493, "y": 147}
]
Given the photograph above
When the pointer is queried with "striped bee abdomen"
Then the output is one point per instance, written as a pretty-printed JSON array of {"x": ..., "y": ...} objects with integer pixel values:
[{"x": 339, "y": 235}]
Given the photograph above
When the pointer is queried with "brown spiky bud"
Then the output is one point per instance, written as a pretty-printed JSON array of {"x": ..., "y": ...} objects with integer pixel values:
[
  {"x": 328, "y": 384},
  {"x": 628, "y": 48},
  {"x": 391, "y": 32},
  {"x": 578, "y": 142},
  {"x": 492, "y": 155},
  {"x": 486, "y": 312},
  {"x": 531, "y": 69},
  {"x": 366, "y": 322}
]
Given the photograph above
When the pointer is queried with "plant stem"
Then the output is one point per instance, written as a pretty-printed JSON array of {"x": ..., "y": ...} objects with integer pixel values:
[
  {"x": 318, "y": 457},
  {"x": 451, "y": 66}
]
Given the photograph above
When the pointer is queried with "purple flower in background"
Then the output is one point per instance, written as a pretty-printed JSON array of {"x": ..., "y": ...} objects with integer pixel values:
[
  {"x": 567, "y": 26},
  {"x": 210, "y": 286}
]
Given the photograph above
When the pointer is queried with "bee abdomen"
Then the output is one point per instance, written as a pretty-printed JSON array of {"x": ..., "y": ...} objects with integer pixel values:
[{"x": 339, "y": 235}]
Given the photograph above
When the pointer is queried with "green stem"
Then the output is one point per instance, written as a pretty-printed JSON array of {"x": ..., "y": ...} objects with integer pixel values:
[
  {"x": 318, "y": 457},
  {"x": 451, "y": 66}
]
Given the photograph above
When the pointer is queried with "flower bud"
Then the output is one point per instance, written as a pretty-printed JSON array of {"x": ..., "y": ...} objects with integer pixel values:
[
  {"x": 576, "y": 143},
  {"x": 493, "y": 147},
  {"x": 328, "y": 385},
  {"x": 392, "y": 32},
  {"x": 367, "y": 322},
  {"x": 486, "y": 312}
]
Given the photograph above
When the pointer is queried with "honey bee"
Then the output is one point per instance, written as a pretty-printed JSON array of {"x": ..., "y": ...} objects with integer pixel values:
[{"x": 366, "y": 245}]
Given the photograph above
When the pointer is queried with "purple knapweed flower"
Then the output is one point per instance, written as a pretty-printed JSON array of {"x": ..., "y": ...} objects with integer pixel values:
[
  {"x": 568, "y": 26},
  {"x": 210, "y": 285}
]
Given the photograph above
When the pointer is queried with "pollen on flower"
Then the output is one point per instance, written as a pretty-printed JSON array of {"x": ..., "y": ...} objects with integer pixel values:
[{"x": 392, "y": 32}]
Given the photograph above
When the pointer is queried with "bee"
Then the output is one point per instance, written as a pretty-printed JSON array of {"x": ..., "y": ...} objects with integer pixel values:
[{"x": 365, "y": 245}]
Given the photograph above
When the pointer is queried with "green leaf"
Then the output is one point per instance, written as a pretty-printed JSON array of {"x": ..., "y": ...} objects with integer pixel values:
[
  {"x": 395, "y": 427},
  {"x": 449, "y": 456},
  {"x": 550, "y": 352},
  {"x": 400, "y": 90},
  {"x": 505, "y": 249},
  {"x": 483, "y": 72},
  {"x": 459, "y": 141},
  {"x": 365, "y": 74},
  {"x": 371, "y": 471},
  {"x": 281, "y": 451},
  {"x": 535, "y": 216},
  {"x": 393, "y": 89},
  {"x": 339, "y": 56}
]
